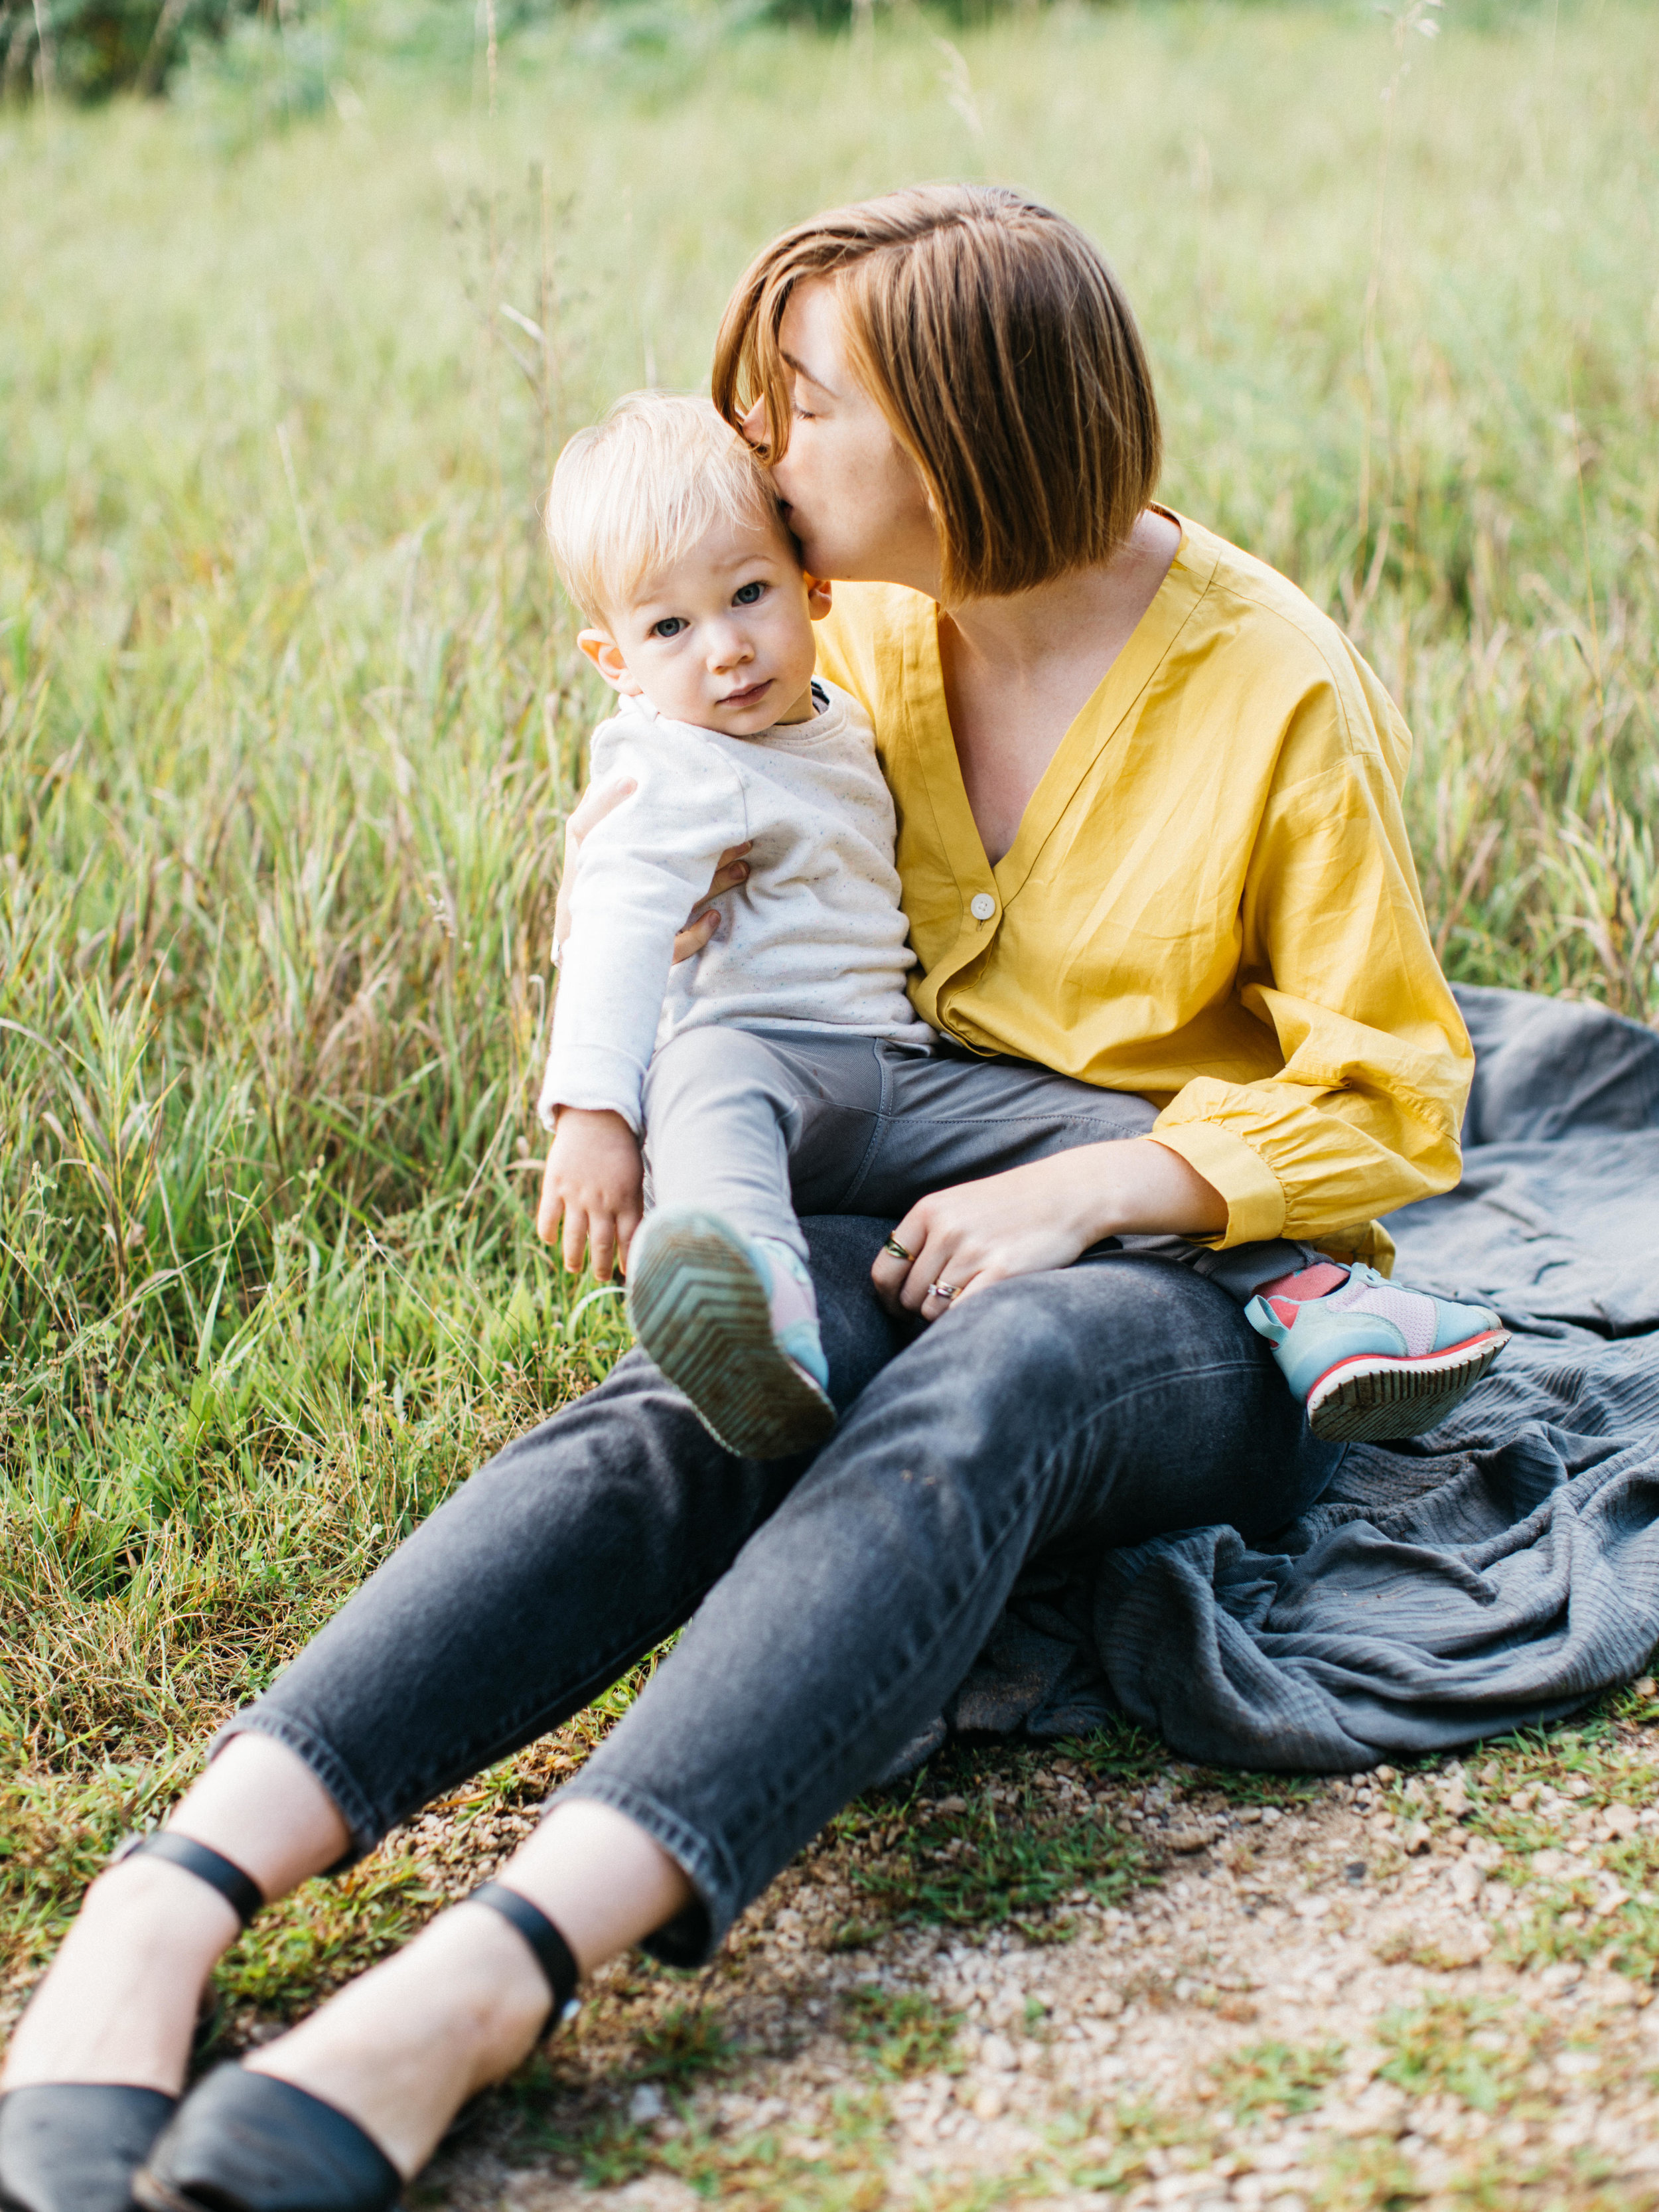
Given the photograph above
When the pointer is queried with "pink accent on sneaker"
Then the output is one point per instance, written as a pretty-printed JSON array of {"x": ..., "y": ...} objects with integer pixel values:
[
  {"x": 1312, "y": 1282},
  {"x": 789, "y": 1290},
  {"x": 1411, "y": 1312}
]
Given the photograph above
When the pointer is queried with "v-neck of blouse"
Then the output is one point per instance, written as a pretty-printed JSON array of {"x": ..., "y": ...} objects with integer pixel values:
[{"x": 928, "y": 729}]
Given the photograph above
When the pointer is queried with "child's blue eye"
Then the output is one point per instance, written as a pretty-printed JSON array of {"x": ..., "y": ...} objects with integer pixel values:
[
  {"x": 670, "y": 626},
  {"x": 746, "y": 594}
]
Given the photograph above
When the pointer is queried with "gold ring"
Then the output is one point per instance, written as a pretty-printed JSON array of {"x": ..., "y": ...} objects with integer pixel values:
[
  {"x": 945, "y": 1292},
  {"x": 894, "y": 1250}
]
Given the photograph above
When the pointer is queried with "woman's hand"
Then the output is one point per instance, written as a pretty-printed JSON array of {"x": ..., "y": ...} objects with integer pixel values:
[
  {"x": 594, "y": 1184},
  {"x": 730, "y": 870},
  {"x": 1044, "y": 1215}
]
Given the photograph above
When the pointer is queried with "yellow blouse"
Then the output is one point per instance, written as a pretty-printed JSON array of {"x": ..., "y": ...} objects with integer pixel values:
[{"x": 1211, "y": 899}]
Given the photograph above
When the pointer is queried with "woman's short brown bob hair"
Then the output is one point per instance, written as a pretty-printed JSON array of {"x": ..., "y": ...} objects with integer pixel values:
[{"x": 1000, "y": 348}]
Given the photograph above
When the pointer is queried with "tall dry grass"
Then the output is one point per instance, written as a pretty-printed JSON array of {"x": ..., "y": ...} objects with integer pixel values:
[{"x": 289, "y": 718}]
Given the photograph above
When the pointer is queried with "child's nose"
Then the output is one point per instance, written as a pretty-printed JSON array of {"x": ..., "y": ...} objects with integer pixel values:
[{"x": 728, "y": 645}]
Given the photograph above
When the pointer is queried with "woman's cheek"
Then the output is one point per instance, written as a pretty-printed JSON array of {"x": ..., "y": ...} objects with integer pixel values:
[{"x": 803, "y": 464}]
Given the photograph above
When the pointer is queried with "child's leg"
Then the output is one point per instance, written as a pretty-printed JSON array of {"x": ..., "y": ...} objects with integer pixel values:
[
  {"x": 945, "y": 1117},
  {"x": 719, "y": 1291},
  {"x": 1244, "y": 1269},
  {"x": 724, "y": 1109},
  {"x": 1373, "y": 1361}
]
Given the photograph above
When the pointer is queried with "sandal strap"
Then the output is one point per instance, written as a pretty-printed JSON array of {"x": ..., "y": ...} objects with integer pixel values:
[
  {"x": 240, "y": 1891},
  {"x": 553, "y": 1953}
]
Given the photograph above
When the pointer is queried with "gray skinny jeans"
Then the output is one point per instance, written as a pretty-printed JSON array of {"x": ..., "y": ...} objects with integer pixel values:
[{"x": 830, "y": 1604}]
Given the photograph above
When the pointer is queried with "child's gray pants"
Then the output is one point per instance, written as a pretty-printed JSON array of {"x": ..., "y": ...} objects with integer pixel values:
[{"x": 761, "y": 1125}]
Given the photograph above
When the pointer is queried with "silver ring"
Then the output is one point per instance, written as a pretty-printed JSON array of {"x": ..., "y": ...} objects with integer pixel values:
[{"x": 945, "y": 1291}]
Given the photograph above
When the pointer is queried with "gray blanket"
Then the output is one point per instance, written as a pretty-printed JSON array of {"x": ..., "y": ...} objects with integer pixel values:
[{"x": 1500, "y": 1571}]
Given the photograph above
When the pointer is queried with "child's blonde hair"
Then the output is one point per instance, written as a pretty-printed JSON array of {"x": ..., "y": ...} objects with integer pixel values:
[{"x": 637, "y": 490}]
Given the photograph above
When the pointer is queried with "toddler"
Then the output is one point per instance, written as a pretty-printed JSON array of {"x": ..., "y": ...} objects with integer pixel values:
[{"x": 784, "y": 1065}]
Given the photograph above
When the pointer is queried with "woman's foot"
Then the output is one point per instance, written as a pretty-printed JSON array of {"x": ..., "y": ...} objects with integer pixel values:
[
  {"x": 99, "y": 2058},
  {"x": 734, "y": 1325},
  {"x": 75, "y": 2147},
  {"x": 350, "y": 2104},
  {"x": 247, "y": 2142},
  {"x": 1373, "y": 1361},
  {"x": 251, "y": 2140},
  {"x": 120, "y": 2004},
  {"x": 400, "y": 2050}
]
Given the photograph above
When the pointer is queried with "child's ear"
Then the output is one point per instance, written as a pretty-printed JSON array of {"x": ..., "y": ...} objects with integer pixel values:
[
  {"x": 818, "y": 596},
  {"x": 603, "y": 650}
]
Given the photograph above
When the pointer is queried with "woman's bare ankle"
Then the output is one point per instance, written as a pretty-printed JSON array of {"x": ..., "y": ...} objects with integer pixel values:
[
  {"x": 120, "y": 1999},
  {"x": 120, "y": 2004}
]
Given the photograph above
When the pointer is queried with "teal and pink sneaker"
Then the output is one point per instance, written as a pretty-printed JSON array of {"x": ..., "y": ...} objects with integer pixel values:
[
  {"x": 734, "y": 1324},
  {"x": 1371, "y": 1360}
]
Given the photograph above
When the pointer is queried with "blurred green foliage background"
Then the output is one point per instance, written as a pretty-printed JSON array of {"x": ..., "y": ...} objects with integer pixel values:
[{"x": 290, "y": 717}]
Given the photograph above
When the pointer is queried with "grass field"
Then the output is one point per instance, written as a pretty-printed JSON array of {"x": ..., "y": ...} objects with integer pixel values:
[{"x": 289, "y": 715}]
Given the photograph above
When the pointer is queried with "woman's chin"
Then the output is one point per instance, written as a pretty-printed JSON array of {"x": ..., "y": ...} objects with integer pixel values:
[{"x": 821, "y": 556}]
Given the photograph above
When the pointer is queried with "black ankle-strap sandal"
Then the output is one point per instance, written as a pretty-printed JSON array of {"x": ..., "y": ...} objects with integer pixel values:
[
  {"x": 240, "y": 1891},
  {"x": 74, "y": 2146},
  {"x": 249, "y": 2142},
  {"x": 553, "y": 1953}
]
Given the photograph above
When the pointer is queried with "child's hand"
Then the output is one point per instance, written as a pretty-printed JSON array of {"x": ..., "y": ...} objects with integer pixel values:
[{"x": 595, "y": 1184}]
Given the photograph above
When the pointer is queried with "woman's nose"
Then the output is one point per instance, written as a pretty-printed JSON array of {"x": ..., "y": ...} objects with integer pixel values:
[{"x": 752, "y": 428}]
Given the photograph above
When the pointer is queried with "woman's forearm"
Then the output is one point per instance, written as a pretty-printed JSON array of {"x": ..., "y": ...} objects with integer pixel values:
[{"x": 1138, "y": 1187}]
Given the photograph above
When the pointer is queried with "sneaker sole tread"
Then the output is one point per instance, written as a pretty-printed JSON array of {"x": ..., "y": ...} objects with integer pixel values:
[
  {"x": 699, "y": 1310},
  {"x": 1382, "y": 1398}
]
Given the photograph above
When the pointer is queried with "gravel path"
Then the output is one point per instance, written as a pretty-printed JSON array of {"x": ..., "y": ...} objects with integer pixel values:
[{"x": 1330, "y": 2003}]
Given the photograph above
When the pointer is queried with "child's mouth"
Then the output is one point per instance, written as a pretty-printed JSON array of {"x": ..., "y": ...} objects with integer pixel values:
[{"x": 748, "y": 694}]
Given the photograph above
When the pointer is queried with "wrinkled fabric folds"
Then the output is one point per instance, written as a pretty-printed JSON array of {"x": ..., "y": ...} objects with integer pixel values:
[{"x": 1497, "y": 1572}]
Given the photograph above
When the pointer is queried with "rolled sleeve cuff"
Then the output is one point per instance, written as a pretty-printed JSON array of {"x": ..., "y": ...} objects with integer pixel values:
[
  {"x": 1255, "y": 1199},
  {"x": 593, "y": 1077}
]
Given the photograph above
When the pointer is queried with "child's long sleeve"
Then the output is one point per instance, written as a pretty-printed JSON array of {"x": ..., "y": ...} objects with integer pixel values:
[{"x": 638, "y": 876}]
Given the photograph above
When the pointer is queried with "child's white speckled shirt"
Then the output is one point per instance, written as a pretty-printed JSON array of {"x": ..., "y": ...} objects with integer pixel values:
[{"x": 817, "y": 934}]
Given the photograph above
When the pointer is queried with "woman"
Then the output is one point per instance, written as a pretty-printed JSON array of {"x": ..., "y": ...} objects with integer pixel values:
[{"x": 1150, "y": 836}]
